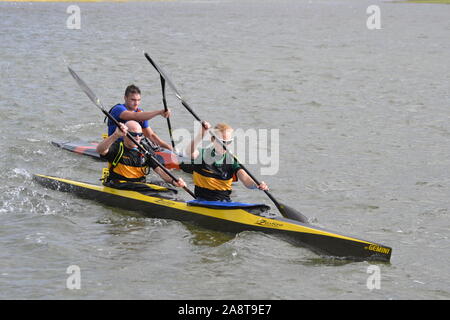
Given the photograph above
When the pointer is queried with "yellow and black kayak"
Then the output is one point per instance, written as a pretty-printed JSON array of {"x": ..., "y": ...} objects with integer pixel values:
[{"x": 231, "y": 217}]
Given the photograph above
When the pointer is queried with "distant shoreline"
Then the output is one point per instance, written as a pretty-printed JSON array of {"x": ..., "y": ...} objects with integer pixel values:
[
  {"x": 86, "y": 0},
  {"x": 399, "y": 1},
  {"x": 427, "y": 1}
]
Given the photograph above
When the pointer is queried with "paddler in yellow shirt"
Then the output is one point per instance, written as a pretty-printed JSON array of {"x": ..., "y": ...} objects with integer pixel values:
[{"x": 214, "y": 167}]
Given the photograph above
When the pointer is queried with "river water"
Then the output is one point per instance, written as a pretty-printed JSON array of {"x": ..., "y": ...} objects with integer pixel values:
[{"x": 362, "y": 117}]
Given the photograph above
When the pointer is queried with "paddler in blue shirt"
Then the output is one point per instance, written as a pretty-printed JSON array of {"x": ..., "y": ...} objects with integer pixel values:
[
  {"x": 130, "y": 110},
  {"x": 214, "y": 170}
]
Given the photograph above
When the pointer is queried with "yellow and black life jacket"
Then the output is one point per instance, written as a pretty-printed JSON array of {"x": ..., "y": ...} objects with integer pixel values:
[
  {"x": 127, "y": 164},
  {"x": 213, "y": 175}
]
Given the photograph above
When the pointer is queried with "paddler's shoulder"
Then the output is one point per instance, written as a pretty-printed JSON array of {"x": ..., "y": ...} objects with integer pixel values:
[{"x": 117, "y": 109}]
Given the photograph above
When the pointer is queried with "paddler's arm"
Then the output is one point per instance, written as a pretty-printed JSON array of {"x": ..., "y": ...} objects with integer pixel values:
[
  {"x": 149, "y": 133},
  {"x": 191, "y": 150},
  {"x": 144, "y": 115},
  {"x": 103, "y": 147},
  {"x": 249, "y": 182},
  {"x": 180, "y": 183}
]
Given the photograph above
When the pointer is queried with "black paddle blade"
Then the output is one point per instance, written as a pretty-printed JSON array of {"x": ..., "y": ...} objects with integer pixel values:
[
  {"x": 163, "y": 75},
  {"x": 291, "y": 213}
]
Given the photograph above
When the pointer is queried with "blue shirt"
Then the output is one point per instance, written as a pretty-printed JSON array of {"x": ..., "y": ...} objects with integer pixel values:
[{"x": 116, "y": 111}]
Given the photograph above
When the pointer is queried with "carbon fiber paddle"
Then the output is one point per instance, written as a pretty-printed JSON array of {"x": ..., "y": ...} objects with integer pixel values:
[
  {"x": 99, "y": 105},
  {"x": 285, "y": 210}
]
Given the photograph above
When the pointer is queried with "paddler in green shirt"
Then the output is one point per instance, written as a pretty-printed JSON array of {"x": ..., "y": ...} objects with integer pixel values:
[{"x": 214, "y": 168}]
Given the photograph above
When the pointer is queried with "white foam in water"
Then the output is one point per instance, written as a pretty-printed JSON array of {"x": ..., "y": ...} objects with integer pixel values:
[
  {"x": 39, "y": 152},
  {"x": 37, "y": 238},
  {"x": 21, "y": 172},
  {"x": 21, "y": 199},
  {"x": 79, "y": 126}
]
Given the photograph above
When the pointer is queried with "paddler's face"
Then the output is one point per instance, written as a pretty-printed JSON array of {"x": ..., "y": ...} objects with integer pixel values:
[
  {"x": 226, "y": 138},
  {"x": 132, "y": 101},
  {"x": 136, "y": 133}
]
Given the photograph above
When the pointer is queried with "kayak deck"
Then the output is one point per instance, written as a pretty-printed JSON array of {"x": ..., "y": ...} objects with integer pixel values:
[
  {"x": 235, "y": 220},
  {"x": 84, "y": 148},
  {"x": 168, "y": 158}
]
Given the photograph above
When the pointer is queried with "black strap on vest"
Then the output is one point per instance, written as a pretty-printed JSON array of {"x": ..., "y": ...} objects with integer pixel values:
[{"x": 104, "y": 120}]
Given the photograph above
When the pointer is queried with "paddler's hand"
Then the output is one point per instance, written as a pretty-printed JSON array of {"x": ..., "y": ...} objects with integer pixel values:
[
  {"x": 205, "y": 127},
  {"x": 121, "y": 131},
  {"x": 166, "y": 114},
  {"x": 263, "y": 186},
  {"x": 180, "y": 183}
]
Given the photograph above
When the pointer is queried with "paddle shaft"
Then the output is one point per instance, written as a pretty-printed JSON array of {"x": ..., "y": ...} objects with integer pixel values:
[
  {"x": 99, "y": 105},
  {"x": 147, "y": 153},
  {"x": 277, "y": 204},
  {"x": 186, "y": 105},
  {"x": 163, "y": 88}
]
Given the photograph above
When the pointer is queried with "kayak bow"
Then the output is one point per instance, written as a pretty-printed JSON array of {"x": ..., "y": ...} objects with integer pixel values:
[{"x": 229, "y": 218}]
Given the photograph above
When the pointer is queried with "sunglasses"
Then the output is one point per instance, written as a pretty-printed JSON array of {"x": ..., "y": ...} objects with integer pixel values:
[
  {"x": 226, "y": 142},
  {"x": 136, "y": 134}
]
